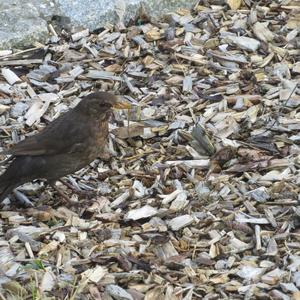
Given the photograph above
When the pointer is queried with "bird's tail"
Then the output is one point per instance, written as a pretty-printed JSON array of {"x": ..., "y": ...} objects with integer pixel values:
[
  {"x": 9, "y": 180},
  {"x": 6, "y": 187}
]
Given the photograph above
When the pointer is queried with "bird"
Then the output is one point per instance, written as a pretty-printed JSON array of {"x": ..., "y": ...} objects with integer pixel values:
[{"x": 66, "y": 145}]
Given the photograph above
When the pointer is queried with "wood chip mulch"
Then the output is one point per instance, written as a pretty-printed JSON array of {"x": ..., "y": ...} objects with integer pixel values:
[{"x": 197, "y": 196}]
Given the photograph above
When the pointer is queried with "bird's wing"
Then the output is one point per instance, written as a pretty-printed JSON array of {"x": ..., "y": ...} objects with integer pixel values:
[{"x": 59, "y": 136}]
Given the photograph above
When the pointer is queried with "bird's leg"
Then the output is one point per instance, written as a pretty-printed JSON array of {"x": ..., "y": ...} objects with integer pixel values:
[
  {"x": 88, "y": 194},
  {"x": 62, "y": 194},
  {"x": 70, "y": 186}
]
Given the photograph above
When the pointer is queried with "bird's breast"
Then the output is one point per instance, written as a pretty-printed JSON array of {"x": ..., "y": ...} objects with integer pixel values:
[{"x": 98, "y": 139}]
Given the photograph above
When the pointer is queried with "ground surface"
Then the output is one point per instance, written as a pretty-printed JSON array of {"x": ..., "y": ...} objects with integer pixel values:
[{"x": 199, "y": 198}]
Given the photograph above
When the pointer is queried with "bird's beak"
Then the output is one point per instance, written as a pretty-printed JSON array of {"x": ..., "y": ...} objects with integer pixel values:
[{"x": 121, "y": 103}]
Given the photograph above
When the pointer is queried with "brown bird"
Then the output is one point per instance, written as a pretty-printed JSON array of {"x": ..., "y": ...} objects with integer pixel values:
[{"x": 66, "y": 145}]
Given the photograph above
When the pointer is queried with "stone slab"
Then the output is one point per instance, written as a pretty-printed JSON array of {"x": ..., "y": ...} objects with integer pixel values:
[{"x": 24, "y": 22}]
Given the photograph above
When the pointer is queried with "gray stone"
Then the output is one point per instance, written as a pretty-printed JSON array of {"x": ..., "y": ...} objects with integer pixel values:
[
  {"x": 20, "y": 25},
  {"x": 24, "y": 22},
  {"x": 94, "y": 14},
  {"x": 45, "y": 8}
]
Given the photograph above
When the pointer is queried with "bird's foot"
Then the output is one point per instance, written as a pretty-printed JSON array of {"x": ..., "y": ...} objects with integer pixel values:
[
  {"x": 82, "y": 193},
  {"x": 64, "y": 196}
]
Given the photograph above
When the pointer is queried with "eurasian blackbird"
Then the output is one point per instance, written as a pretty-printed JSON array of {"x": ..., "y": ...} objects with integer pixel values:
[{"x": 66, "y": 145}]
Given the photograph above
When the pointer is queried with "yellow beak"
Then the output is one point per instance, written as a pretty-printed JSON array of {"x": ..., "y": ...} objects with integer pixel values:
[{"x": 121, "y": 104}]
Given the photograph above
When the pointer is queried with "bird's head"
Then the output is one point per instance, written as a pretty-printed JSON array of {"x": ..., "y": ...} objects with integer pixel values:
[{"x": 100, "y": 104}]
